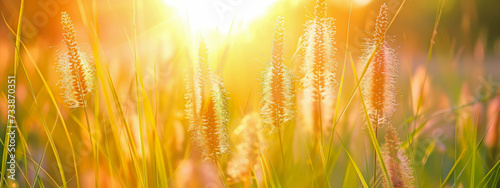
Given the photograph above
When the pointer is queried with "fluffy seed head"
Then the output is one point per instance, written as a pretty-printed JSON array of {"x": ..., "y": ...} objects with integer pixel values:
[
  {"x": 319, "y": 64},
  {"x": 397, "y": 162},
  {"x": 241, "y": 165},
  {"x": 75, "y": 68},
  {"x": 277, "y": 95},
  {"x": 206, "y": 110},
  {"x": 318, "y": 69},
  {"x": 382, "y": 23},
  {"x": 320, "y": 9},
  {"x": 379, "y": 83}
]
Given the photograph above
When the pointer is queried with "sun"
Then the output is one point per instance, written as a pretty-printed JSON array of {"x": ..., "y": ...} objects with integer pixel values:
[{"x": 219, "y": 14}]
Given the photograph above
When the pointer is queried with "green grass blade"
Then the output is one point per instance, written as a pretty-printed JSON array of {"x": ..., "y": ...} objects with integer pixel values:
[
  {"x": 360, "y": 175},
  {"x": 452, "y": 170},
  {"x": 337, "y": 104},
  {"x": 57, "y": 109},
  {"x": 370, "y": 129}
]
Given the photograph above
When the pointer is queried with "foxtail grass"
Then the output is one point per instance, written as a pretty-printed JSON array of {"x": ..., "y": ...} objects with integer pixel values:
[
  {"x": 318, "y": 82},
  {"x": 398, "y": 163},
  {"x": 319, "y": 67},
  {"x": 379, "y": 84},
  {"x": 75, "y": 68},
  {"x": 277, "y": 89},
  {"x": 277, "y": 95},
  {"x": 207, "y": 112},
  {"x": 78, "y": 77}
]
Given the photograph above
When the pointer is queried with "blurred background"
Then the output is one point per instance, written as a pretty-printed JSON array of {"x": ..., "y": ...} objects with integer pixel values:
[{"x": 465, "y": 67}]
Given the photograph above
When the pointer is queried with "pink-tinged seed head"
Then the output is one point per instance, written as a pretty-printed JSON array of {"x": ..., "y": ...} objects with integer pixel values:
[
  {"x": 397, "y": 162},
  {"x": 379, "y": 83}
]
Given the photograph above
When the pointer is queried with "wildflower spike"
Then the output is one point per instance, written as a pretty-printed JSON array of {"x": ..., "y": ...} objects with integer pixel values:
[
  {"x": 379, "y": 84},
  {"x": 277, "y": 93},
  {"x": 75, "y": 68}
]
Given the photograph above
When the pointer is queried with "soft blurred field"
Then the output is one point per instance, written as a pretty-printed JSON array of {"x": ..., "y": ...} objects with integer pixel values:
[{"x": 144, "y": 48}]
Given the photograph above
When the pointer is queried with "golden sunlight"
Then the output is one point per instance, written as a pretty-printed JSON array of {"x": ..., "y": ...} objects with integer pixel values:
[
  {"x": 219, "y": 14},
  {"x": 362, "y": 2}
]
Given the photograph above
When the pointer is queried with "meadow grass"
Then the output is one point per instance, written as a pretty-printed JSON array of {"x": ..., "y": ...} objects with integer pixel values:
[{"x": 163, "y": 148}]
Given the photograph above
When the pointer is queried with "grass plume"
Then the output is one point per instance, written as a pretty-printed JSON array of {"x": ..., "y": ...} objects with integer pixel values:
[
  {"x": 207, "y": 110},
  {"x": 397, "y": 161},
  {"x": 277, "y": 96},
  {"x": 319, "y": 67},
  {"x": 75, "y": 68},
  {"x": 379, "y": 84}
]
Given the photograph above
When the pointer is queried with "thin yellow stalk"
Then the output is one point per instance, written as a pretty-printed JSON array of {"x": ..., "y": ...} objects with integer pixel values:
[
  {"x": 103, "y": 73},
  {"x": 429, "y": 56},
  {"x": 340, "y": 87},
  {"x": 138, "y": 81},
  {"x": 370, "y": 127}
]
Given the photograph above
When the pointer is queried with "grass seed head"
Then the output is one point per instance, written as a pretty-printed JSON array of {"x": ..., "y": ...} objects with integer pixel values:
[
  {"x": 319, "y": 65},
  {"x": 206, "y": 110},
  {"x": 76, "y": 69},
  {"x": 320, "y": 9},
  {"x": 379, "y": 83},
  {"x": 318, "y": 68},
  {"x": 397, "y": 162},
  {"x": 277, "y": 93}
]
